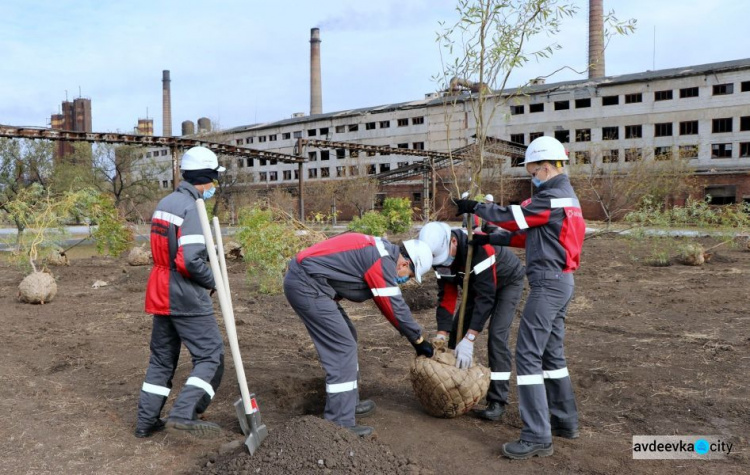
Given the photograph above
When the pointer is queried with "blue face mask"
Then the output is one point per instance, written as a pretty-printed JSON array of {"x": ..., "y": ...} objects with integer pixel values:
[
  {"x": 448, "y": 261},
  {"x": 402, "y": 280},
  {"x": 209, "y": 193},
  {"x": 536, "y": 181}
]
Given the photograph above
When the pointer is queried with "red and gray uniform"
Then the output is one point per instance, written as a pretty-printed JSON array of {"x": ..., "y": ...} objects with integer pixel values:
[
  {"x": 495, "y": 288},
  {"x": 550, "y": 226},
  {"x": 177, "y": 295},
  {"x": 354, "y": 267}
]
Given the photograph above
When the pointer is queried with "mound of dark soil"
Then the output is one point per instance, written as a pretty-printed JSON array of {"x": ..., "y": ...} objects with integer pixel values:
[{"x": 309, "y": 444}]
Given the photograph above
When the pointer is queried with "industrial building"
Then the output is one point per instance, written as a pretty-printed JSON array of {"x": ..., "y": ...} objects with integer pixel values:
[{"x": 74, "y": 116}]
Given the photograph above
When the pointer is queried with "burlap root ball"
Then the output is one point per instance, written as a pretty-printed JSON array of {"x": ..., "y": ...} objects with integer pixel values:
[
  {"x": 139, "y": 256},
  {"x": 37, "y": 287},
  {"x": 444, "y": 390},
  {"x": 233, "y": 250}
]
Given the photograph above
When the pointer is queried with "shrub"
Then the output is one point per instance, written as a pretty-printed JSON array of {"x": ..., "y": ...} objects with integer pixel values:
[
  {"x": 372, "y": 223},
  {"x": 397, "y": 212}
]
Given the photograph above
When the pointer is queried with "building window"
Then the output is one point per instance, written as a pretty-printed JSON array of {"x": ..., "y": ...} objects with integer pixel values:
[
  {"x": 385, "y": 152},
  {"x": 384, "y": 124},
  {"x": 721, "y": 194},
  {"x": 633, "y": 98},
  {"x": 745, "y": 86},
  {"x": 722, "y": 89},
  {"x": 689, "y": 127},
  {"x": 262, "y": 138},
  {"x": 262, "y": 162},
  {"x": 633, "y": 154},
  {"x": 417, "y": 120},
  {"x": 287, "y": 174},
  {"x": 745, "y": 123},
  {"x": 312, "y": 156},
  {"x": 340, "y": 129},
  {"x": 353, "y": 170},
  {"x": 719, "y": 126},
  {"x": 263, "y": 176},
  {"x": 164, "y": 183},
  {"x": 340, "y": 172},
  {"x": 418, "y": 145},
  {"x": 385, "y": 167},
  {"x": 312, "y": 132},
  {"x": 610, "y": 100},
  {"x": 583, "y": 157},
  {"x": 371, "y": 169},
  {"x": 250, "y": 162},
  {"x": 516, "y": 161},
  {"x": 610, "y": 133},
  {"x": 516, "y": 110},
  {"x": 416, "y": 197},
  {"x": 535, "y": 135},
  {"x": 370, "y": 126},
  {"x": 325, "y": 155},
  {"x": 688, "y": 92},
  {"x": 286, "y": 136},
  {"x": 721, "y": 150},
  {"x": 402, "y": 145},
  {"x": 583, "y": 135},
  {"x": 583, "y": 103},
  {"x": 663, "y": 129},
  {"x": 402, "y": 164},
  {"x": 610, "y": 156},
  {"x": 562, "y": 105},
  {"x": 633, "y": 132},
  {"x": 562, "y": 135},
  {"x": 536, "y": 108},
  {"x": 273, "y": 176},
  {"x": 324, "y": 131},
  {"x": 371, "y": 153},
  {"x": 353, "y": 127},
  {"x": 272, "y": 138},
  {"x": 688, "y": 151},
  {"x": 744, "y": 149},
  {"x": 663, "y": 95},
  {"x": 239, "y": 141},
  {"x": 325, "y": 172},
  {"x": 296, "y": 174},
  {"x": 249, "y": 140},
  {"x": 148, "y": 154},
  {"x": 297, "y": 134},
  {"x": 240, "y": 162},
  {"x": 312, "y": 173},
  {"x": 663, "y": 153},
  {"x": 340, "y": 153},
  {"x": 402, "y": 122},
  {"x": 354, "y": 153},
  {"x": 516, "y": 138}
]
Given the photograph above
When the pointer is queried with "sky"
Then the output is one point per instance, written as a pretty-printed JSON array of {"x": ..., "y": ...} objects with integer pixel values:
[{"x": 241, "y": 62}]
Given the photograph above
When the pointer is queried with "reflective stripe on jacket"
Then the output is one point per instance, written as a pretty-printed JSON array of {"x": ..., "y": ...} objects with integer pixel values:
[{"x": 180, "y": 276}]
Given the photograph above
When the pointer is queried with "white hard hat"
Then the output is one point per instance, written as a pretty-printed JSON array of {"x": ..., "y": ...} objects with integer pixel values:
[
  {"x": 420, "y": 256},
  {"x": 438, "y": 236},
  {"x": 545, "y": 149},
  {"x": 464, "y": 195},
  {"x": 200, "y": 158},
  {"x": 489, "y": 197}
]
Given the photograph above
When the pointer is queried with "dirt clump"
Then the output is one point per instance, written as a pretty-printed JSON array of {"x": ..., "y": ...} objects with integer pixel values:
[
  {"x": 37, "y": 287},
  {"x": 310, "y": 444},
  {"x": 57, "y": 257},
  {"x": 139, "y": 256}
]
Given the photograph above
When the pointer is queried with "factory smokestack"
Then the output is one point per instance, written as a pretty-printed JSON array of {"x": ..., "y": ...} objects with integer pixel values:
[
  {"x": 316, "y": 92},
  {"x": 166, "y": 104},
  {"x": 596, "y": 39}
]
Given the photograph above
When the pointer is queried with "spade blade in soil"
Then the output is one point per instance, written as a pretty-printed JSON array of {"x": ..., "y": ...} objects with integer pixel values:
[{"x": 251, "y": 425}]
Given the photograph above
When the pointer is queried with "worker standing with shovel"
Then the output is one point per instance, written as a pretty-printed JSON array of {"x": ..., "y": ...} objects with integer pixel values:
[{"x": 178, "y": 297}]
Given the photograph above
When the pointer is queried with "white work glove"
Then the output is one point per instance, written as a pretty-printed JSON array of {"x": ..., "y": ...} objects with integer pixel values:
[{"x": 464, "y": 352}]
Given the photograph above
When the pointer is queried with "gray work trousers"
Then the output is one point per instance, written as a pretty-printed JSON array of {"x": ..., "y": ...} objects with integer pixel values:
[
  {"x": 202, "y": 338},
  {"x": 498, "y": 351},
  {"x": 545, "y": 393},
  {"x": 335, "y": 339}
]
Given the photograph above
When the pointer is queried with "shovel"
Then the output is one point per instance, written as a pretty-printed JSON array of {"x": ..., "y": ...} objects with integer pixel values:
[{"x": 247, "y": 407}]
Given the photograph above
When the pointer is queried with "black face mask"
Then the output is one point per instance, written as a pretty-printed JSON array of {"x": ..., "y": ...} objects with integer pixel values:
[{"x": 200, "y": 177}]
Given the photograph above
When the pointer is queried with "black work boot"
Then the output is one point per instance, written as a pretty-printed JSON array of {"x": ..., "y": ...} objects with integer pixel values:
[
  {"x": 566, "y": 432},
  {"x": 143, "y": 432},
  {"x": 521, "y": 450},
  {"x": 197, "y": 428},
  {"x": 364, "y": 408},
  {"x": 493, "y": 412},
  {"x": 361, "y": 431}
]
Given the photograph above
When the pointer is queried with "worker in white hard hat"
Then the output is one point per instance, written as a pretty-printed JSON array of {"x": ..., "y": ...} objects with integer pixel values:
[
  {"x": 178, "y": 297},
  {"x": 495, "y": 288},
  {"x": 550, "y": 226},
  {"x": 355, "y": 267}
]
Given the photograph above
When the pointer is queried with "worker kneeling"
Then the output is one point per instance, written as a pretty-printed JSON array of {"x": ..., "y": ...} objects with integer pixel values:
[
  {"x": 354, "y": 267},
  {"x": 495, "y": 287}
]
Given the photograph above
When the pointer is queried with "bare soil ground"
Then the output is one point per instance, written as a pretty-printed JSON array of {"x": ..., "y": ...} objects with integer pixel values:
[{"x": 651, "y": 350}]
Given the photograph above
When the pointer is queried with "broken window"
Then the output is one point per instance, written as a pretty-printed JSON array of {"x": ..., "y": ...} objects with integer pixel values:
[
  {"x": 371, "y": 170},
  {"x": 517, "y": 138},
  {"x": 353, "y": 127},
  {"x": 583, "y": 103},
  {"x": 370, "y": 126},
  {"x": 721, "y": 194},
  {"x": 688, "y": 92},
  {"x": 722, "y": 125},
  {"x": 324, "y": 131},
  {"x": 610, "y": 100},
  {"x": 745, "y": 123},
  {"x": 418, "y": 145},
  {"x": 633, "y": 154},
  {"x": 562, "y": 135},
  {"x": 297, "y": 134},
  {"x": 663, "y": 153},
  {"x": 688, "y": 151},
  {"x": 745, "y": 86},
  {"x": 249, "y": 140},
  {"x": 535, "y": 135},
  {"x": 325, "y": 172},
  {"x": 273, "y": 176},
  {"x": 325, "y": 155},
  {"x": 340, "y": 172},
  {"x": 263, "y": 176},
  {"x": 402, "y": 145},
  {"x": 312, "y": 156},
  {"x": 287, "y": 174},
  {"x": 722, "y": 89},
  {"x": 536, "y": 108},
  {"x": 240, "y": 162},
  {"x": 402, "y": 122},
  {"x": 633, "y": 132},
  {"x": 340, "y": 153},
  {"x": 610, "y": 133},
  {"x": 744, "y": 149},
  {"x": 583, "y": 157},
  {"x": 665, "y": 95},
  {"x": 286, "y": 136},
  {"x": 610, "y": 156},
  {"x": 402, "y": 164},
  {"x": 721, "y": 150},
  {"x": 516, "y": 110},
  {"x": 583, "y": 135},
  {"x": 353, "y": 170},
  {"x": 354, "y": 153},
  {"x": 633, "y": 98},
  {"x": 384, "y": 124},
  {"x": 385, "y": 167},
  {"x": 272, "y": 138},
  {"x": 689, "y": 127},
  {"x": 312, "y": 173},
  {"x": 663, "y": 129},
  {"x": 312, "y": 132},
  {"x": 340, "y": 129},
  {"x": 562, "y": 105}
]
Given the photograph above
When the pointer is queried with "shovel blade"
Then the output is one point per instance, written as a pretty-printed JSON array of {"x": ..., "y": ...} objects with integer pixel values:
[{"x": 251, "y": 426}]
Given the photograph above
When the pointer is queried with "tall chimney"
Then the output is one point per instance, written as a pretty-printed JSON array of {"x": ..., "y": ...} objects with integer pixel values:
[
  {"x": 596, "y": 39},
  {"x": 316, "y": 92},
  {"x": 166, "y": 104}
]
